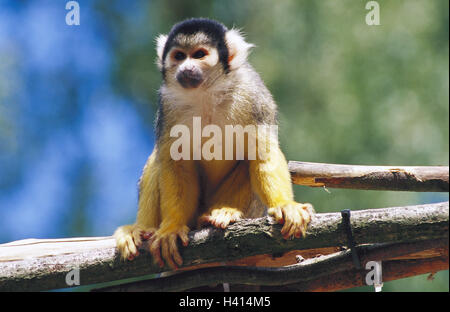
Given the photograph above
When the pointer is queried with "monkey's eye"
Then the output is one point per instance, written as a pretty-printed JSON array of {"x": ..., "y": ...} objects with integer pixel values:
[
  {"x": 179, "y": 56},
  {"x": 199, "y": 54}
]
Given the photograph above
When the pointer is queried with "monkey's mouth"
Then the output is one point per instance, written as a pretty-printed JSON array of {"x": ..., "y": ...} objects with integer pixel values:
[{"x": 189, "y": 79}]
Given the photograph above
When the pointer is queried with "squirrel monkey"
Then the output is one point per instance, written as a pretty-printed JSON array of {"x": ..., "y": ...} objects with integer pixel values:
[{"x": 206, "y": 74}]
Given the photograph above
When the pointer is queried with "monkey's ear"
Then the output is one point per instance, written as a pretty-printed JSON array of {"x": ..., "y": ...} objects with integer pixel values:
[
  {"x": 238, "y": 48},
  {"x": 160, "y": 43}
]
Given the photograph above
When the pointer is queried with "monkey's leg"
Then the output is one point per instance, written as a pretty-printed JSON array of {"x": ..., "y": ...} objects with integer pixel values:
[
  {"x": 129, "y": 237},
  {"x": 179, "y": 192},
  {"x": 271, "y": 180},
  {"x": 231, "y": 200}
]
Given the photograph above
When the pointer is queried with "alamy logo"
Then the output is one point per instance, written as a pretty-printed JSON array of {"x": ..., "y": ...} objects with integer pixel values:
[
  {"x": 375, "y": 275},
  {"x": 73, "y": 277},
  {"x": 239, "y": 142},
  {"x": 373, "y": 17},
  {"x": 73, "y": 16}
]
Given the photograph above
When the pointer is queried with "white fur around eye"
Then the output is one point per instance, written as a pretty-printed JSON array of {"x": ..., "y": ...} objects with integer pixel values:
[
  {"x": 238, "y": 48},
  {"x": 160, "y": 43}
]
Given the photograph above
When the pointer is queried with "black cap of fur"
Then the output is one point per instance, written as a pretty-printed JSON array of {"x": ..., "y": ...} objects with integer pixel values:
[{"x": 213, "y": 29}]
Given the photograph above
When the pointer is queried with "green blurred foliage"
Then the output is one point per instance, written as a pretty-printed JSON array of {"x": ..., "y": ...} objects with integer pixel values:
[{"x": 347, "y": 92}]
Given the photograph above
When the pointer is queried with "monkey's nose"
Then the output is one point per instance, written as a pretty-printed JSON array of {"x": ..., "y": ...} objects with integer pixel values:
[{"x": 190, "y": 78}]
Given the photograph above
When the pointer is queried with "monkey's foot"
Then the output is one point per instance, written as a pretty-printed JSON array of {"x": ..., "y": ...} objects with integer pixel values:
[
  {"x": 129, "y": 239},
  {"x": 295, "y": 217},
  {"x": 221, "y": 217},
  {"x": 164, "y": 242}
]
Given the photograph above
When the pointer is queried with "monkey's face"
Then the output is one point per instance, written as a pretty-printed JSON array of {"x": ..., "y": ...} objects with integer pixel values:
[
  {"x": 190, "y": 66},
  {"x": 198, "y": 52}
]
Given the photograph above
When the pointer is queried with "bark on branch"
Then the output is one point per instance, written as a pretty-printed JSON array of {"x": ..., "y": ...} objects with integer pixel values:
[
  {"x": 294, "y": 276},
  {"x": 385, "y": 178},
  {"x": 32, "y": 265}
]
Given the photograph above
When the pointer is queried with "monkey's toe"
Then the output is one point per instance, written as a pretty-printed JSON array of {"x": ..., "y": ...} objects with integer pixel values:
[
  {"x": 148, "y": 233},
  {"x": 221, "y": 217}
]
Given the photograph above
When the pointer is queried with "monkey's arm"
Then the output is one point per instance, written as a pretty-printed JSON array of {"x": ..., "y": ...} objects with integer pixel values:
[
  {"x": 270, "y": 179},
  {"x": 179, "y": 192}
]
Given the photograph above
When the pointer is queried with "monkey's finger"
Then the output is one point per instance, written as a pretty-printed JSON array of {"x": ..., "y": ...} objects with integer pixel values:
[
  {"x": 306, "y": 220},
  {"x": 276, "y": 213},
  {"x": 304, "y": 211},
  {"x": 307, "y": 212},
  {"x": 287, "y": 230},
  {"x": 132, "y": 256},
  {"x": 146, "y": 235},
  {"x": 296, "y": 220},
  {"x": 173, "y": 249},
  {"x": 205, "y": 219},
  {"x": 155, "y": 250},
  {"x": 213, "y": 219},
  {"x": 165, "y": 250},
  {"x": 289, "y": 219},
  {"x": 123, "y": 249},
  {"x": 136, "y": 234},
  {"x": 301, "y": 226},
  {"x": 299, "y": 232},
  {"x": 166, "y": 253},
  {"x": 309, "y": 207},
  {"x": 130, "y": 246},
  {"x": 295, "y": 225},
  {"x": 235, "y": 216},
  {"x": 183, "y": 235},
  {"x": 296, "y": 230},
  {"x": 302, "y": 231},
  {"x": 222, "y": 220}
]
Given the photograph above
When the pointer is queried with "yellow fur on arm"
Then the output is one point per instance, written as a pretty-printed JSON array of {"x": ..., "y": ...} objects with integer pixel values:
[
  {"x": 270, "y": 178},
  {"x": 179, "y": 192}
]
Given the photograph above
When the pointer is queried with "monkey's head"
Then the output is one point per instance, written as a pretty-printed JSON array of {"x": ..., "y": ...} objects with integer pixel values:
[{"x": 198, "y": 51}]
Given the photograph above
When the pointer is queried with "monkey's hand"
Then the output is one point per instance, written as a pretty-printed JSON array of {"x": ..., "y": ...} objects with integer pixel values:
[
  {"x": 295, "y": 217},
  {"x": 164, "y": 242},
  {"x": 221, "y": 217},
  {"x": 129, "y": 239}
]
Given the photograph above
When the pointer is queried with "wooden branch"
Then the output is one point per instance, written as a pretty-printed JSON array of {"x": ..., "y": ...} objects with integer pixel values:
[
  {"x": 385, "y": 178},
  {"x": 32, "y": 265},
  {"x": 321, "y": 267},
  {"x": 391, "y": 270}
]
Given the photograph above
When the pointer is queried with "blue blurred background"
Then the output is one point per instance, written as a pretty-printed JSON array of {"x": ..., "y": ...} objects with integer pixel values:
[
  {"x": 71, "y": 147},
  {"x": 77, "y": 103}
]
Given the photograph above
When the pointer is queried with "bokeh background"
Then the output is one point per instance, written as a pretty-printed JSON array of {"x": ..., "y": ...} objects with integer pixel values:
[{"x": 77, "y": 103}]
